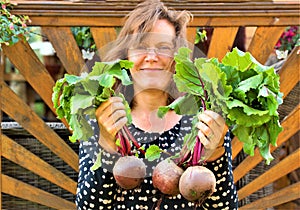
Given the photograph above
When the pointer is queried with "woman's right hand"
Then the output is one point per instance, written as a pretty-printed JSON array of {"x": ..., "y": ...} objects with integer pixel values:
[{"x": 111, "y": 117}]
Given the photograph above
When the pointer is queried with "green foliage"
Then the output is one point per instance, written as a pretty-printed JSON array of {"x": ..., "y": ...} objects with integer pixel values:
[
  {"x": 13, "y": 27},
  {"x": 75, "y": 98},
  {"x": 84, "y": 38},
  {"x": 245, "y": 92},
  {"x": 200, "y": 36}
]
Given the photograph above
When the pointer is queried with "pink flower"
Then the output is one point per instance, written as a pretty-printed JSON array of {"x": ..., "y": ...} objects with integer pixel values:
[
  {"x": 11, "y": 26},
  {"x": 24, "y": 25},
  {"x": 3, "y": 6}
]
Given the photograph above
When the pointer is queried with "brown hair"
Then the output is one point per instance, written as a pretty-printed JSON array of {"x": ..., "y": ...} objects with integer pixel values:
[{"x": 141, "y": 20}]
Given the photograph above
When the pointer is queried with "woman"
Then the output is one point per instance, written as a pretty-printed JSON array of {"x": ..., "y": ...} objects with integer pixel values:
[{"x": 149, "y": 38}]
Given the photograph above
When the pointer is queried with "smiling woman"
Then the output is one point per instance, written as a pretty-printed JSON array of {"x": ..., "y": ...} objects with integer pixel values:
[{"x": 149, "y": 38}]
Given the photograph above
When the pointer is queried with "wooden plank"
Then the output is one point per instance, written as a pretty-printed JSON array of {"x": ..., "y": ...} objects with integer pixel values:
[
  {"x": 120, "y": 8},
  {"x": 2, "y": 70},
  {"x": 32, "y": 69},
  {"x": 66, "y": 48},
  {"x": 197, "y": 21},
  {"x": 191, "y": 35},
  {"x": 281, "y": 169},
  {"x": 285, "y": 195},
  {"x": 237, "y": 146},
  {"x": 221, "y": 41},
  {"x": 31, "y": 122},
  {"x": 103, "y": 36},
  {"x": 13, "y": 77},
  {"x": 264, "y": 41},
  {"x": 25, "y": 191},
  {"x": 21, "y": 156},
  {"x": 67, "y": 6},
  {"x": 290, "y": 126},
  {"x": 289, "y": 72}
]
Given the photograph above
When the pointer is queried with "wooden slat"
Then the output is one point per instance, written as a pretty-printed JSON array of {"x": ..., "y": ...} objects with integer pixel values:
[
  {"x": 221, "y": 41},
  {"x": 2, "y": 69},
  {"x": 290, "y": 127},
  {"x": 66, "y": 48},
  {"x": 281, "y": 169},
  {"x": 263, "y": 42},
  {"x": 285, "y": 195},
  {"x": 31, "y": 122},
  {"x": 103, "y": 36},
  {"x": 121, "y": 8},
  {"x": 237, "y": 146},
  {"x": 289, "y": 72},
  {"x": 16, "y": 153},
  {"x": 197, "y": 21},
  {"x": 25, "y": 191},
  {"x": 13, "y": 77},
  {"x": 27, "y": 62},
  {"x": 191, "y": 34}
]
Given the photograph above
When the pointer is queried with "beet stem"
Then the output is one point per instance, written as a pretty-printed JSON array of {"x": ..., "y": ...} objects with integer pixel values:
[
  {"x": 126, "y": 130},
  {"x": 195, "y": 152},
  {"x": 121, "y": 148}
]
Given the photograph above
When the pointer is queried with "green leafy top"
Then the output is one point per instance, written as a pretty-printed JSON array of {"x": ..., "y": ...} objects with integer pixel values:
[
  {"x": 75, "y": 98},
  {"x": 242, "y": 90},
  {"x": 13, "y": 27}
]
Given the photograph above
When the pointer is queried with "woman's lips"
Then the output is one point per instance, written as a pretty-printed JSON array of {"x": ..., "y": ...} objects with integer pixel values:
[{"x": 151, "y": 69}]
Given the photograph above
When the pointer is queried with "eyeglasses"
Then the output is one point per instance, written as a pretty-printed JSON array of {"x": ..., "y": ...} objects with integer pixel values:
[{"x": 161, "y": 50}]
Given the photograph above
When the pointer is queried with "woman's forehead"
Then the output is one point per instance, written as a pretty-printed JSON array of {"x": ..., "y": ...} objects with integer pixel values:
[{"x": 155, "y": 38}]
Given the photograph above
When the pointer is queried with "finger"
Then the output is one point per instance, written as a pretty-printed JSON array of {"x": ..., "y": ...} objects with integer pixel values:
[
  {"x": 103, "y": 114},
  {"x": 208, "y": 120},
  {"x": 104, "y": 105},
  {"x": 208, "y": 132},
  {"x": 113, "y": 122},
  {"x": 211, "y": 127},
  {"x": 205, "y": 141},
  {"x": 115, "y": 127},
  {"x": 217, "y": 117}
]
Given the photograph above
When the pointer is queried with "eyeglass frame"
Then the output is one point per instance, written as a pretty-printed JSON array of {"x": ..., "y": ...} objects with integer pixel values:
[{"x": 140, "y": 50}]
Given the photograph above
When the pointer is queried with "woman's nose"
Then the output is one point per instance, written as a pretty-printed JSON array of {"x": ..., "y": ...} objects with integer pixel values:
[{"x": 151, "y": 55}]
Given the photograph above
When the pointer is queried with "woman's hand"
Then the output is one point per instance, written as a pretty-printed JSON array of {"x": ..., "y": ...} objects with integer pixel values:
[
  {"x": 212, "y": 130},
  {"x": 111, "y": 117}
]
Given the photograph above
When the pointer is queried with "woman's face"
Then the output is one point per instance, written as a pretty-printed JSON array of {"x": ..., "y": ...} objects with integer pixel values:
[{"x": 153, "y": 58}]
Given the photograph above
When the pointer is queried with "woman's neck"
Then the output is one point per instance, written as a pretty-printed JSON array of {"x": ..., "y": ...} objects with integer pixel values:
[
  {"x": 144, "y": 112},
  {"x": 149, "y": 101}
]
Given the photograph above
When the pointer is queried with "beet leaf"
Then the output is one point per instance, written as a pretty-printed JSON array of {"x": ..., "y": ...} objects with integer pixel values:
[
  {"x": 245, "y": 92},
  {"x": 76, "y": 98}
]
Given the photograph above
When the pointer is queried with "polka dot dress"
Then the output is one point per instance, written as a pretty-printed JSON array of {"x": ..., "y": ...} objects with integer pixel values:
[{"x": 98, "y": 189}]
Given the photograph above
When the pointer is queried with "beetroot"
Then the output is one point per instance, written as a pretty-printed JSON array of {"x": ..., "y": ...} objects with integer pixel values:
[
  {"x": 197, "y": 183},
  {"x": 166, "y": 177},
  {"x": 129, "y": 172}
]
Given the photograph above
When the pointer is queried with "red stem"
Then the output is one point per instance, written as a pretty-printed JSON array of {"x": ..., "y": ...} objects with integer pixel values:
[
  {"x": 126, "y": 130},
  {"x": 121, "y": 148},
  {"x": 195, "y": 152}
]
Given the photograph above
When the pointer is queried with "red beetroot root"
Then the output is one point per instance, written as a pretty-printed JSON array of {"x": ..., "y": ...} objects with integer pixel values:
[
  {"x": 166, "y": 177},
  {"x": 129, "y": 172},
  {"x": 197, "y": 183}
]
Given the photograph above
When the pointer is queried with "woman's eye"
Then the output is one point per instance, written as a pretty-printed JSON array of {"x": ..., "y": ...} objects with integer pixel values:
[{"x": 164, "y": 48}]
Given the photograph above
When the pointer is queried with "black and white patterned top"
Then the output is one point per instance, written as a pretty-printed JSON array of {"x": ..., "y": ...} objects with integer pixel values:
[{"x": 98, "y": 189}]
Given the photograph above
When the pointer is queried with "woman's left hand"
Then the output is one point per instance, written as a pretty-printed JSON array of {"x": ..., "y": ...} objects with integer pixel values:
[{"x": 212, "y": 130}]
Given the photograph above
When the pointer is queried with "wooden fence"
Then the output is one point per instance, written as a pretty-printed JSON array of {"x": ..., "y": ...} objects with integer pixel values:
[{"x": 59, "y": 169}]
